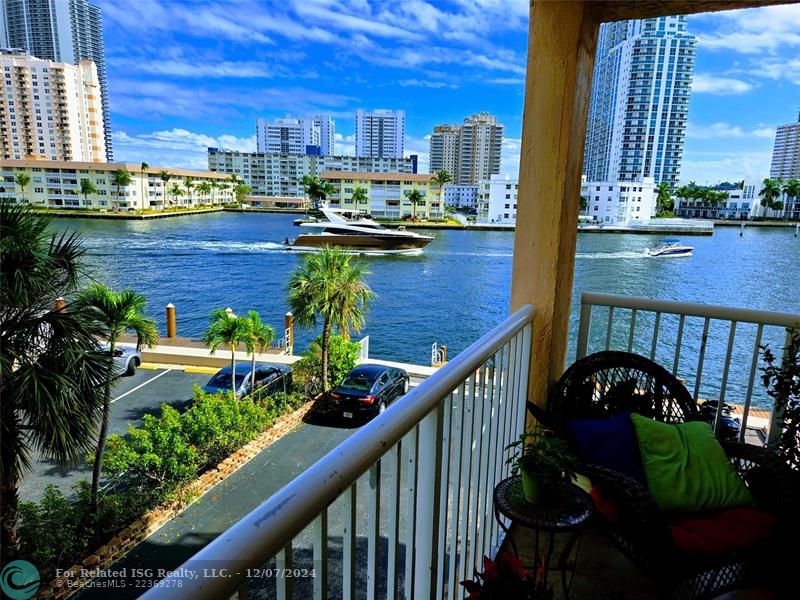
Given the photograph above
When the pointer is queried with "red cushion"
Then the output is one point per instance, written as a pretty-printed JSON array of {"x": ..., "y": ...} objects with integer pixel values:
[
  {"x": 720, "y": 531},
  {"x": 604, "y": 505}
]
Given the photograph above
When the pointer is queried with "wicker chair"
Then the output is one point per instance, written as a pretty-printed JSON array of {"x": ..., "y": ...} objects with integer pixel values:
[{"x": 609, "y": 383}]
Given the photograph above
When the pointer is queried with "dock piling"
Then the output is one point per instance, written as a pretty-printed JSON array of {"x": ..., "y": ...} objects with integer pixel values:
[
  {"x": 172, "y": 327},
  {"x": 288, "y": 324}
]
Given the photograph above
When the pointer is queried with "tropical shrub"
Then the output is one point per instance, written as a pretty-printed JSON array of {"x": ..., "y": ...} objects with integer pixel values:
[
  {"x": 157, "y": 457},
  {"x": 216, "y": 425},
  {"x": 781, "y": 378},
  {"x": 342, "y": 356}
]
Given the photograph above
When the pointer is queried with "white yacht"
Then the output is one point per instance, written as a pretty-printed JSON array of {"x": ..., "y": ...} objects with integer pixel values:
[
  {"x": 359, "y": 235},
  {"x": 671, "y": 248}
]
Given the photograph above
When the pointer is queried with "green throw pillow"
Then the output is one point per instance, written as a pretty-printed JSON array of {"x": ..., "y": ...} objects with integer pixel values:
[{"x": 686, "y": 468}]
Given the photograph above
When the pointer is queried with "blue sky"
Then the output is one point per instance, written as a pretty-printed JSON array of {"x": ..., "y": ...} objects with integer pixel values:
[{"x": 186, "y": 74}]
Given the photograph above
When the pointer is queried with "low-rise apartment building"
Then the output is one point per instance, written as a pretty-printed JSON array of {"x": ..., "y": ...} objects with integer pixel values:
[
  {"x": 387, "y": 194},
  {"x": 741, "y": 204},
  {"x": 497, "y": 200},
  {"x": 461, "y": 196},
  {"x": 281, "y": 174},
  {"x": 57, "y": 184},
  {"x": 619, "y": 203}
]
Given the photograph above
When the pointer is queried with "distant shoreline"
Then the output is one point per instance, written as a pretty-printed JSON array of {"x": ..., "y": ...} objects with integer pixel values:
[{"x": 128, "y": 216}]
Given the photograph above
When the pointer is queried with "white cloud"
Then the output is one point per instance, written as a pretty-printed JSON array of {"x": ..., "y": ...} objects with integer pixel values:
[
  {"x": 725, "y": 166},
  {"x": 507, "y": 81},
  {"x": 777, "y": 69},
  {"x": 510, "y": 157},
  {"x": 705, "y": 83},
  {"x": 420, "y": 147},
  {"x": 753, "y": 31},
  {"x": 424, "y": 83},
  {"x": 726, "y": 130},
  {"x": 344, "y": 145},
  {"x": 175, "y": 147}
]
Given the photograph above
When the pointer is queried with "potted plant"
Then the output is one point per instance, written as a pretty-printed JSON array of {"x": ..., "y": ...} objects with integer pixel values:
[
  {"x": 540, "y": 458},
  {"x": 504, "y": 579}
]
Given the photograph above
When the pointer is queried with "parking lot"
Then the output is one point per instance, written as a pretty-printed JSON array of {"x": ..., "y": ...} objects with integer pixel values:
[{"x": 133, "y": 397}]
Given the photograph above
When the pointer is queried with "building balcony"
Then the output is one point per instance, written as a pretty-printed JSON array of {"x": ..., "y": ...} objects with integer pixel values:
[{"x": 406, "y": 502}]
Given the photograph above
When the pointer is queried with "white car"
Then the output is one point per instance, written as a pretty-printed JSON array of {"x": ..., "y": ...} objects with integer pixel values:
[{"x": 125, "y": 360}]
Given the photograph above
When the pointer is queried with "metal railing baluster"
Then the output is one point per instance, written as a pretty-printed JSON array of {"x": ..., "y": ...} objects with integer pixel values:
[
  {"x": 466, "y": 467},
  {"x": 725, "y": 370},
  {"x": 411, "y": 509},
  {"x": 655, "y": 336},
  {"x": 321, "y": 555},
  {"x": 632, "y": 331},
  {"x": 678, "y": 342},
  {"x": 349, "y": 543},
  {"x": 703, "y": 342},
  {"x": 284, "y": 586},
  {"x": 750, "y": 381},
  {"x": 373, "y": 530},
  {"x": 610, "y": 327},
  {"x": 453, "y": 546}
]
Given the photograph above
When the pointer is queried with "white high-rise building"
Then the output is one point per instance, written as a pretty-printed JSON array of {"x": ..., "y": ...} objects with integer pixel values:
[
  {"x": 327, "y": 132},
  {"x": 786, "y": 153},
  {"x": 470, "y": 152},
  {"x": 290, "y": 135},
  {"x": 640, "y": 100},
  {"x": 380, "y": 133},
  {"x": 50, "y": 110},
  {"x": 444, "y": 149},
  {"x": 64, "y": 31},
  {"x": 479, "y": 150}
]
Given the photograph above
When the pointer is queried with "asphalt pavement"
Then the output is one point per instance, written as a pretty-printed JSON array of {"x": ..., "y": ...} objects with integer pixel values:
[
  {"x": 134, "y": 396},
  {"x": 241, "y": 492}
]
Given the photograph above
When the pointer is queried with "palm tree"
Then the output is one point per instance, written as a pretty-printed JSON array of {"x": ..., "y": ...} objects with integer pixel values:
[
  {"x": 359, "y": 196},
  {"x": 684, "y": 192},
  {"x": 176, "y": 191},
  {"x": 164, "y": 176},
  {"x": 119, "y": 179},
  {"x": 203, "y": 188},
  {"x": 116, "y": 312},
  {"x": 87, "y": 187},
  {"x": 416, "y": 198},
  {"x": 226, "y": 329},
  {"x": 663, "y": 197},
  {"x": 188, "y": 184},
  {"x": 258, "y": 337},
  {"x": 330, "y": 286},
  {"x": 769, "y": 193},
  {"x": 441, "y": 178},
  {"x": 214, "y": 187},
  {"x": 584, "y": 203},
  {"x": 223, "y": 187},
  {"x": 51, "y": 366},
  {"x": 142, "y": 170},
  {"x": 316, "y": 189},
  {"x": 240, "y": 191},
  {"x": 792, "y": 191},
  {"x": 23, "y": 180}
]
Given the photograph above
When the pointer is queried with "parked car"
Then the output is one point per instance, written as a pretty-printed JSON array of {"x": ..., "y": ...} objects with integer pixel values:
[
  {"x": 125, "y": 360},
  {"x": 368, "y": 390},
  {"x": 274, "y": 378}
]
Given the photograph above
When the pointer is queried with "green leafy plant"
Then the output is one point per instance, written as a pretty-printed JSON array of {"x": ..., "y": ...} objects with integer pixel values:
[
  {"x": 342, "y": 357},
  {"x": 541, "y": 452},
  {"x": 506, "y": 578},
  {"x": 781, "y": 378}
]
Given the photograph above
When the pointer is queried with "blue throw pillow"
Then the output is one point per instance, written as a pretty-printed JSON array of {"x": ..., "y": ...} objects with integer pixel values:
[{"x": 610, "y": 443}]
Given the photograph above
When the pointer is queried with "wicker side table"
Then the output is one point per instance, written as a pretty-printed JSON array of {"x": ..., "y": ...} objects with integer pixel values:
[{"x": 566, "y": 510}]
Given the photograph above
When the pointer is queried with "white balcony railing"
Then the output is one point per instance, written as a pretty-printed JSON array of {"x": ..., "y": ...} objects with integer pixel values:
[
  {"x": 716, "y": 350},
  {"x": 405, "y": 503}
]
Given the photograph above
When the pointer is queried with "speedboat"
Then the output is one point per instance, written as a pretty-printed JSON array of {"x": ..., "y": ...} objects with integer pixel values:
[
  {"x": 359, "y": 235},
  {"x": 671, "y": 248}
]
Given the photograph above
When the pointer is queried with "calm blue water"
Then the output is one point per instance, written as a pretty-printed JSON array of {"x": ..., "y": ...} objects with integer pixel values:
[{"x": 455, "y": 291}]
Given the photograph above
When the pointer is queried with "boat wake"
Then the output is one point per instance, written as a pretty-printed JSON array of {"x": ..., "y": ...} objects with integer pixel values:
[{"x": 600, "y": 255}]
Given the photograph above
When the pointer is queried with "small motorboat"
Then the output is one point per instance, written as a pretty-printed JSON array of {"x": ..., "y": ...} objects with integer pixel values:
[{"x": 670, "y": 248}]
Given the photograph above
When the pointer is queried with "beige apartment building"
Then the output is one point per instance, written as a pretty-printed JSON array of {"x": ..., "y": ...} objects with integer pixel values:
[
  {"x": 387, "y": 194},
  {"x": 50, "y": 110},
  {"x": 57, "y": 184}
]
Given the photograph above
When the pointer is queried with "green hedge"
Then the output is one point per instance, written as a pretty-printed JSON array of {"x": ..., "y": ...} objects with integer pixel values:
[
  {"x": 146, "y": 467},
  {"x": 342, "y": 356}
]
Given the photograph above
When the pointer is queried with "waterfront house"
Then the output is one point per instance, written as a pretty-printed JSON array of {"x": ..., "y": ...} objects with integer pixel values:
[
  {"x": 57, "y": 184},
  {"x": 451, "y": 465}
]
